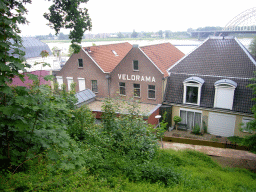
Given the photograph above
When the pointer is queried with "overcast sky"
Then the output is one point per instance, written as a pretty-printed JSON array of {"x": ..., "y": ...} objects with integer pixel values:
[{"x": 109, "y": 16}]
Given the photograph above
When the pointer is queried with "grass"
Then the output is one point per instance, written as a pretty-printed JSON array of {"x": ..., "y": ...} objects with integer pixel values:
[{"x": 194, "y": 170}]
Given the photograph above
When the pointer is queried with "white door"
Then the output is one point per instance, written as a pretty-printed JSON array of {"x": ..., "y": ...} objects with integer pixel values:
[
  {"x": 221, "y": 124},
  {"x": 81, "y": 82}
]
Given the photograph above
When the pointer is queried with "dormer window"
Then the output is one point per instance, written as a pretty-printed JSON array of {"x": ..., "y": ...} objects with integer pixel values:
[
  {"x": 224, "y": 93},
  {"x": 135, "y": 65},
  {"x": 80, "y": 63},
  {"x": 192, "y": 90}
]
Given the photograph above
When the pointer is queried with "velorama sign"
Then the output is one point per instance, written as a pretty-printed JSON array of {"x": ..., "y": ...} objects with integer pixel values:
[{"x": 126, "y": 77}]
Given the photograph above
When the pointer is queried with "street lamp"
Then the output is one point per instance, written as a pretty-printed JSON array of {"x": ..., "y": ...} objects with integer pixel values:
[{"x": 158, "y": 117}]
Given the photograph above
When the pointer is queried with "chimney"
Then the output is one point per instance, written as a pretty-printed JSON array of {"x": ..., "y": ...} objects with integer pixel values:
[{"x": 135, "y": 46}]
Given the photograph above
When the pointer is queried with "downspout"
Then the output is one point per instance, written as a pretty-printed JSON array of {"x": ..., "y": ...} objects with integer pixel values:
[{"x": 108, "y": 82}]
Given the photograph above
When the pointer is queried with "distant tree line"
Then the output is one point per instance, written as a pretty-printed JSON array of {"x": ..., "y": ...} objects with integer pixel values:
[{"x": 161, "y": 34}]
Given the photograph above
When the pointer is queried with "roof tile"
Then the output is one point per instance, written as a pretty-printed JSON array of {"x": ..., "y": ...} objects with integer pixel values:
[
  {"x": 104, "y": 56},
  {"x": 163, "y": 55}
]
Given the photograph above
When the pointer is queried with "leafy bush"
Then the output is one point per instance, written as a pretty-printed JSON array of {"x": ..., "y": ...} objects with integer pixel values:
[
  {"x": 33, "y": 121},
  {"x": 82, "y": 119},
  {"x": 196, "y": 130}
]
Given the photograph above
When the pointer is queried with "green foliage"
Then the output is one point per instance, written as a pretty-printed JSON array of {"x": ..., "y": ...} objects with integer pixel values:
[
  {"x": 82, "y": 119},
  {"x": 70, "y": 51},
  {"x": 180, "y": 170},
  {"x": 252, "y": 47},
  {"x": 69, "y": 15},
  {"x": 177, "y": 119},
  {"x": 204, "y": 127},
  {"x": 56, "y": 51},
  {"x": 196, "y": 130},
  {"x": 34, "y": 121}
]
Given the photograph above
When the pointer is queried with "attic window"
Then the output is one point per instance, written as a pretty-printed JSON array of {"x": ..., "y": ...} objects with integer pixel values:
[
  {"x": 192, "y": 90},
  {"x": 224, "y": 93},
  {"x": 115, "y": 53}
]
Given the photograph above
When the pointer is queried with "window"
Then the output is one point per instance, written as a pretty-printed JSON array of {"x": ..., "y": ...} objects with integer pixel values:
[
  {"x": 192, "y": 90},
  {"x": 191, "y": 118},
  {"x": 151, "y": 91},
  {"x": 136, "y": 90},
  {"x": 246, "y": 120},
  {"x": 70, "y": 81},
  {"x": 224, "y": 93},
  {"x": 135, "y": 65},
  {"x": 80, "y": 63},
  {"x": 59, "y": 81},
  {"x": 94, "y": 86},
  {"x": 81, "y": 82},
  {"x": 122, "y": 88}
]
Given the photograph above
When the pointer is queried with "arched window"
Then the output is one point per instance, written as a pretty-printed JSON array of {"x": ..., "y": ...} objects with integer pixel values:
[
  {"x": 192, "y": 90},
  {"x": 224, "y": 93}
]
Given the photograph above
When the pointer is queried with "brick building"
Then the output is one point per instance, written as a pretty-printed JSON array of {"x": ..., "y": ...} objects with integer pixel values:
[{"x": 123, "y": 70}]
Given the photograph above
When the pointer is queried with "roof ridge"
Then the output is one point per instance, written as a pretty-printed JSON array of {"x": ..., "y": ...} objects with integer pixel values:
[
  {"x": 106, "y": 45},
  {"x": 156, "y": 44}
]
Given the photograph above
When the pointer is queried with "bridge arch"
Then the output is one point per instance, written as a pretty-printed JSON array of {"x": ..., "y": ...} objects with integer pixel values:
[{"x": 245, "y": 21}]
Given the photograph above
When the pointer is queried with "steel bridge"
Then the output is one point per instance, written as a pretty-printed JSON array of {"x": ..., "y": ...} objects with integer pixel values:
[{"x": 244, "y": 22}]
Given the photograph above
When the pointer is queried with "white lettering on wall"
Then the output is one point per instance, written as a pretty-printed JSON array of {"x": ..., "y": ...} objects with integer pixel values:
[{"x": 126, "y": 77}]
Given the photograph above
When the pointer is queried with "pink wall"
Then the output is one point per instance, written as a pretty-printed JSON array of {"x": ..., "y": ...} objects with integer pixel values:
[{"x": 16, "y": 80}]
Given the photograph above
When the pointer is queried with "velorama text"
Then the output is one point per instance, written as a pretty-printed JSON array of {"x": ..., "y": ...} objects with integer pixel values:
[{"x": 136, "y": 78}]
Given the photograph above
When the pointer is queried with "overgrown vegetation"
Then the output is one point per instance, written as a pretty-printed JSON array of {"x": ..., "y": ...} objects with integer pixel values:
[{"x": 49, "y": 145}]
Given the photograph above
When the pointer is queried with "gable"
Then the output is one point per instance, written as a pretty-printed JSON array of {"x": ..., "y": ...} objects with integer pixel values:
[{"x": 107, "y": 57}]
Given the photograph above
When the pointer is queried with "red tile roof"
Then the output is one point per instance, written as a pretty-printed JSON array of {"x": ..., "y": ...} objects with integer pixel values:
[
  {"x": 163, "y": 55},
  {"x": 103, "y": 55}
]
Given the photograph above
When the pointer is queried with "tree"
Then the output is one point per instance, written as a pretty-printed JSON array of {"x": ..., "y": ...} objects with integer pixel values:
[
  {"x": 70, "y": 51},
  {"x": 28, "y": 116},
  {"x": 134, "y": 34},
  {"x": 252, "y": 47},
  {"x": 120, "y": 35},
  {"x": 160, "y": 33},
  {"x": 67, "y": 14}
]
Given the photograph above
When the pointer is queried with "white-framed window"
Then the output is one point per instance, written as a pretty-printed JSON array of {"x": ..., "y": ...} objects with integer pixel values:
[
  {"x": 151, "y": 91},
  {"x": 191, "y": 118},
  {"x": 192, "y": 90},
  {"x": 135, "y": 65},
  {"x": 224, "y": 93},
  {"x": 246, "y": 120},
  {"x": 81, "y": 83},
  {"x": 136, "y": 90},
  {"x": 59, "y": 81},
  {"x": 70, "y": 81},
  {"x": 94, "y": 86},
  {"x": 122, "y": 88},
  {"x": 80, "y": 63}
]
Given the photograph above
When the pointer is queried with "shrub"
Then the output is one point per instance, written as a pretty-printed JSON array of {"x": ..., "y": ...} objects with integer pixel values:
[
  {"x": 177, "y": 119},
  {"x": 196, "y": 130}
]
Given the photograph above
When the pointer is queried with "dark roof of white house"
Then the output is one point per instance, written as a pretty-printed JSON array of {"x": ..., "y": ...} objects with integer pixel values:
[{"x": 217, "y": 56}]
